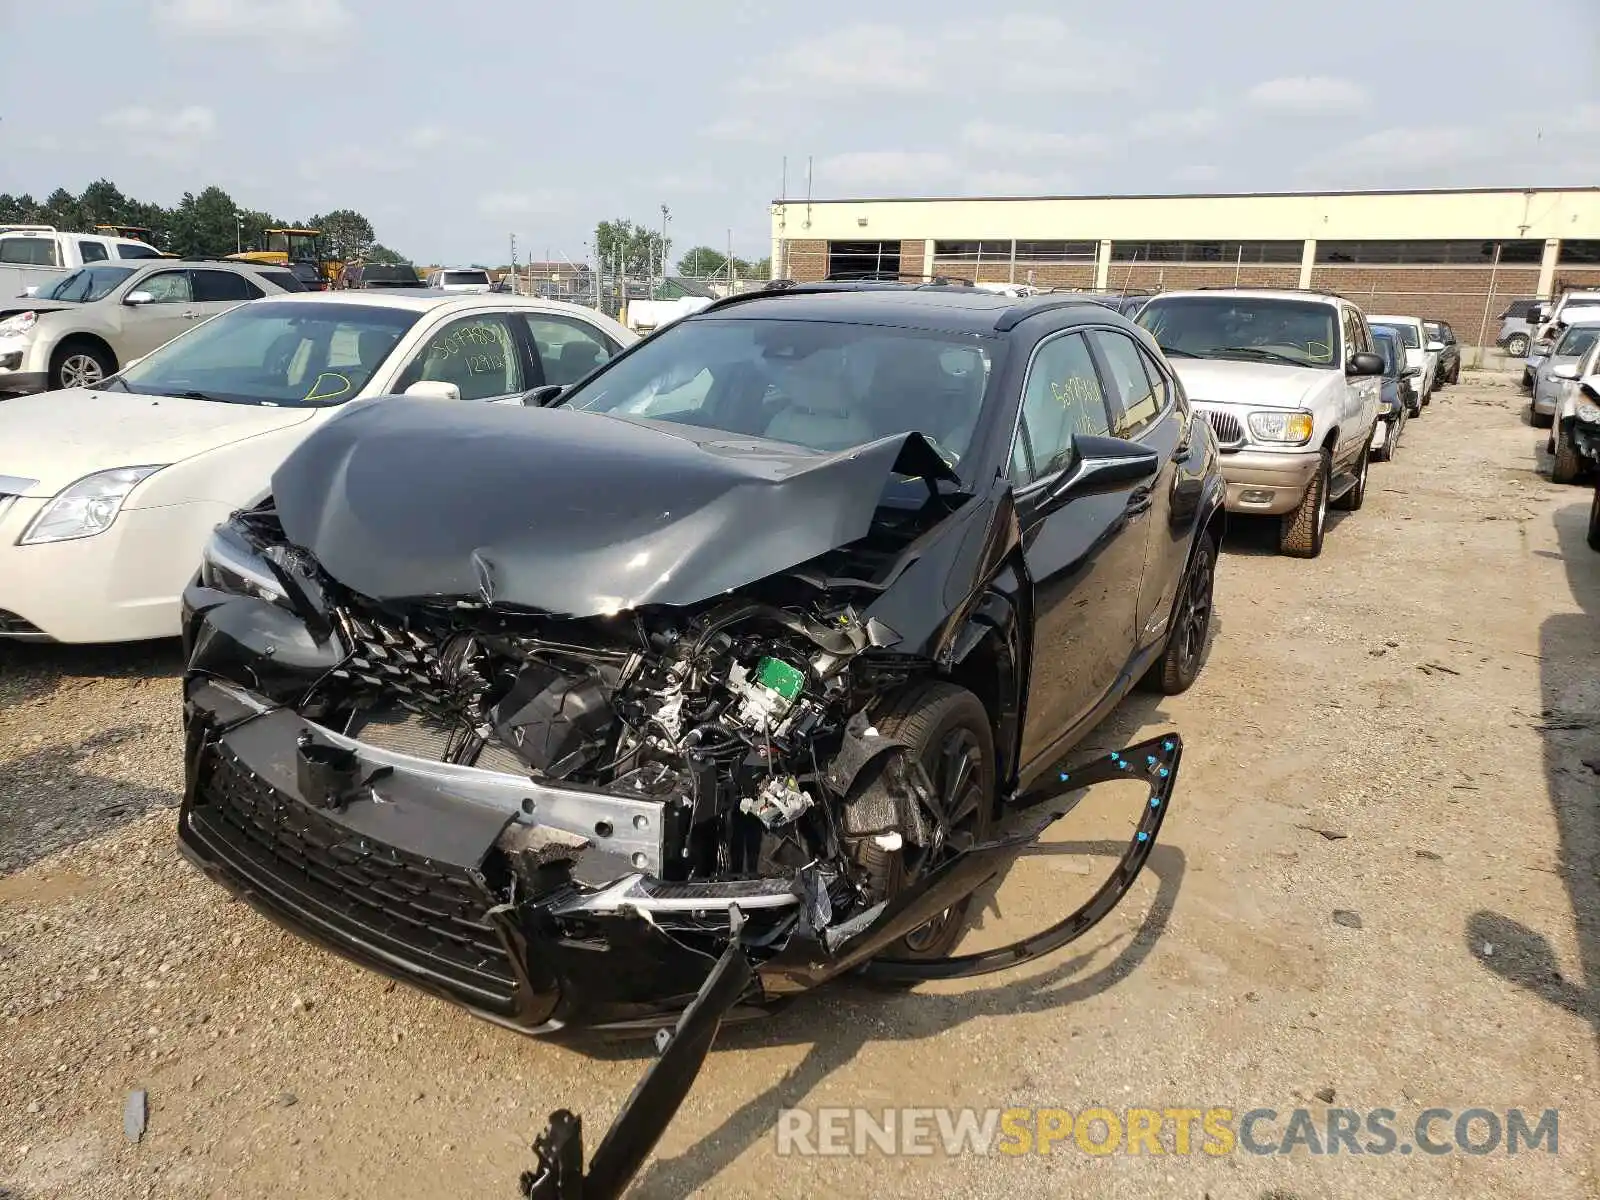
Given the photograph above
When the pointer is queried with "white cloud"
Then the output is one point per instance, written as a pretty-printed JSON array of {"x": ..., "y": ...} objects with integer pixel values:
[
  {"x": 1013, "y": 183},
  {"x": 1019, "y": 54},
  {"x": 296, "y": 20},
  {"x": 736, "y": 129},
  {"x": 1004, "y": 139},
  {"x": 884, "y": 168},
  {"x": 340, "y": 161},
  {"x": 1583, "y": 119},
  {"x": 170, "y": 134},
  {"x": 1308, "y": 94},
  {"x": 294, "y": 35},
  {"x": 1190, "y": 122},
  {"x": 516, "y": 204},
  {"x": 1199, "y": 173},
  {"x": 434, "y": 136}
]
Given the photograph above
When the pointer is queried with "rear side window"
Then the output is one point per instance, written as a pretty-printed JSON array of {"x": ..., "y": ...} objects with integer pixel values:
[
  {"x": 568, "y": 349},
  {"x": 216, "y": 287},
  {"x": 28, "y": 251},
  {"x": 92, "y": 252},
  {"x": 126, "y": 250},
  {"x": 285, "y": 280}
]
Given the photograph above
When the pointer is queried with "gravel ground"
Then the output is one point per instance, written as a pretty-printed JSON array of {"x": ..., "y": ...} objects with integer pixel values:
[{"x": 1379, "y": 887}]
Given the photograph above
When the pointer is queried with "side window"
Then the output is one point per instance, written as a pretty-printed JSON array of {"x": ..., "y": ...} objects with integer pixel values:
[
  {"x": 286, "y": 280},
  {"x": 223, "y": 287},
  {"x": 127, "y": 250},
  {"x": 28, "y": 251},
  {"x": 477, "y": 353},
  {"x": 1139, "y": 406},
  {"x": 92, "y": 252},
  {"x": 1063, "y": 397},
  {"x": 166, "y": 287},
  {"x": 568, "y": 348}
]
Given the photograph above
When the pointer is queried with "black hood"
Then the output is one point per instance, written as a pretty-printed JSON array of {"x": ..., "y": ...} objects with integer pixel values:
[{"x": 566, "y": 512}]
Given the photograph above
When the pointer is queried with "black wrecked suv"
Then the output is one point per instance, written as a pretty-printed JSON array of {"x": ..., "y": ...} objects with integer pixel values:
[{"x": 742, "y": 645}]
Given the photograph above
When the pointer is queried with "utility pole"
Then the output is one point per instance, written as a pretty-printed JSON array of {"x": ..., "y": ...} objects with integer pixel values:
[
  {"x": 733, "y": 279},
  {"x": 239, "y": 219},
  {"x": 513, "y": 262}
]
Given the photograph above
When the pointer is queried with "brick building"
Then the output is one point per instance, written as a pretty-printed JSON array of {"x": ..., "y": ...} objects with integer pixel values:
[{"x": 1459, "y": 255}]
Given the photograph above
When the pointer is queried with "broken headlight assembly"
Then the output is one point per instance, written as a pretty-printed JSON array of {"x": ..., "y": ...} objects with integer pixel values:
[
  {"x": 1287, "y": 428},
  {"x": 85, "y": 508},
  {"x": 1587, "y": 413},
  {"x": 19, "y": 325},
  {"x": 230, "y": 564}
]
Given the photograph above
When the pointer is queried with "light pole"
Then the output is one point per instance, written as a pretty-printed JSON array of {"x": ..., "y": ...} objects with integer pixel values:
[
  {"x": 239, "y": 218},
  {"x": 665, "y": 217}
]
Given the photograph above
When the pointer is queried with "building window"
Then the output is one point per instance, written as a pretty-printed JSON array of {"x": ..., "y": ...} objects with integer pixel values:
[
  {"x": 1060, "y": 252},
  {"x": 860, "y": 260},
  {"x": 1429, "y": 252},
  {"x": 1580, "y": 253},
  {"x": 973, "y": 251},
  {"x": 1224, "y": 253}
]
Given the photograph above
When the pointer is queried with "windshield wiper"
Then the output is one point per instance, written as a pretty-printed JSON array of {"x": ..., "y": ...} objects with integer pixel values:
[
  {"x": 194, "y": 395},
  {"x": 1272, "y": 355},
  {"x": 1174, "y": 352}
]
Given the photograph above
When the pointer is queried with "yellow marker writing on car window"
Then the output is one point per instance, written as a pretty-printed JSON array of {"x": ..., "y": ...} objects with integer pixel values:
[{"x": 336, "y": 385}]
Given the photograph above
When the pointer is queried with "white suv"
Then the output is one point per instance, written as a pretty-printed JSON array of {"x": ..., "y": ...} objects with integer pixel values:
[
  {"x": 461, "y": 279},
  {"x": 1290, "y": 382}
]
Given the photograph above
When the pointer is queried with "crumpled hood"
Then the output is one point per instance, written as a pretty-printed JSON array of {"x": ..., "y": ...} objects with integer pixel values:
[
  {"x": 55, "y": 438},
  {"x": 568, "y": 512},
  {"x": 1259, "y": 385}
]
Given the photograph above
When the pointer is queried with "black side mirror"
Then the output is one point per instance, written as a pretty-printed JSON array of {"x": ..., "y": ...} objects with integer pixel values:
[
  {"x": 1100, "y": 464},
  {"x": 1364, "y": 364},
  {"x": 539, "y": 397}
]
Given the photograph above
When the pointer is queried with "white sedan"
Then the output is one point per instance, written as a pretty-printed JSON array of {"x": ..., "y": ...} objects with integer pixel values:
[{"x": 108, "y": 495}]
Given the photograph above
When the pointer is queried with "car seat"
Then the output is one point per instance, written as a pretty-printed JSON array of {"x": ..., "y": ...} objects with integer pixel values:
[
  {"x": 820, "y": 413},
  {"x": 574, "y": 360}
]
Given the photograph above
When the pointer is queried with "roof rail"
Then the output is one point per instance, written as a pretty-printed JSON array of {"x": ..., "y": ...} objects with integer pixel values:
[
  {"x": 28, "y": 229},
  {"x": 897, "y": 277},
  {"x": 1032, "y": 306}
]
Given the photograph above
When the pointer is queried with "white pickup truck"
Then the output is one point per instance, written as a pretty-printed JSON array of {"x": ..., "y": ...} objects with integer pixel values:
[{"x": 32, "y": 256}]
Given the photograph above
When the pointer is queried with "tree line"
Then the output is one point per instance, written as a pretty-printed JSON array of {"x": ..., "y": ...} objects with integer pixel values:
[
  {"x": 639, "y": 250},
  {"x": 209, "y": 224}
]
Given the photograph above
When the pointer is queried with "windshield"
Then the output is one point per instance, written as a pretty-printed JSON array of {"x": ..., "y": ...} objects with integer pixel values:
[
  {"x": 1406, "y": 333},
  {"x": 295, "y": 354},
  {"x": 1244, "y": 329},
  {"x": 822, "y": 385},
  {"x": 1576, "y": 341},
  {"x": 87, "y": 283},
  {"x": 466, "y": 277},
  {"x": 1389, "y": 348}
]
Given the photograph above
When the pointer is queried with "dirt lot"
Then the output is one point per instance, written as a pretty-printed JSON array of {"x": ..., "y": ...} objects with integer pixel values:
[{"x": 1396, "y": 731}]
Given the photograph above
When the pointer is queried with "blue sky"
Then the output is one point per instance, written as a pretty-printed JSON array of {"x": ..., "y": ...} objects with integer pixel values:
[{"x": 453, "y": 126}]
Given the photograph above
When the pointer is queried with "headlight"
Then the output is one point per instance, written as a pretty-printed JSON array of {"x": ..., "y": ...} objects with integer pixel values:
[
  {"x": 229, "y": 564},
  {"x": 1589, "y": 414},
  {"x": 86, "y": 508},
  {"x": 21, "y": 323},
  {"x": 1290, "y": 428}
]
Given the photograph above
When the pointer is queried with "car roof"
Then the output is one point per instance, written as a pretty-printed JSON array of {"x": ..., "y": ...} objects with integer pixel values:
[
  {"x": 426, "y": 299},
  {"x": 951, "y": 309},
  {"x": 1395, "y": 320},
  {"x": 1584, "y": 319}
]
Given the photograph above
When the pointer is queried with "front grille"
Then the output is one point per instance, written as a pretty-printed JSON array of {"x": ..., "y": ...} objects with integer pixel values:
[
  {"x": 407, "y": 665},
  {"x": 10, "y": 623},
  {"x": 430, "y": 919},
  {"x": 1224, "y": 425}
]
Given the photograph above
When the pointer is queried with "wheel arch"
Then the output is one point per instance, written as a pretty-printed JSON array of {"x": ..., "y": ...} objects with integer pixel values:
[{"x": 83, "y": 338}]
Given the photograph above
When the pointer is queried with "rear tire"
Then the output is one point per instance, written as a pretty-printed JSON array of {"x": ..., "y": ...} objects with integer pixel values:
[
  {"x": 947, "y": 729},
  {"x": 1538, "y": 419},
  {"x": 1517, "y": 345},
  {"x": 1190, "y": 636},
  {"x": 1568, "y": 465}
]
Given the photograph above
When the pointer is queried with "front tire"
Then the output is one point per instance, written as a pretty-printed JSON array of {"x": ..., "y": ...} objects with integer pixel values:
[
  {"x": 79, "y": 364},
  {"x": 1300, "y": 532},
  {"x": 1538, "y": 419},
  {"x": 947, "y": 730},
  {"x": 1568, "y": 465},
  {"x": 1190, "y": 635},
  {"x": 1594, "y": 519}
]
